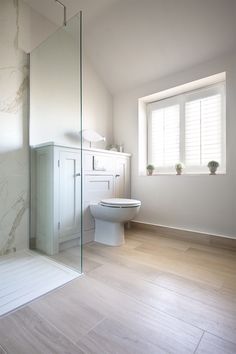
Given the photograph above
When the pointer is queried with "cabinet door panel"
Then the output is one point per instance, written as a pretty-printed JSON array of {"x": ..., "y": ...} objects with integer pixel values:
[
  {"x": 95, "y": 189},
  {"x": 103, "y": 163},
  {"x": 69, "y": 196}
]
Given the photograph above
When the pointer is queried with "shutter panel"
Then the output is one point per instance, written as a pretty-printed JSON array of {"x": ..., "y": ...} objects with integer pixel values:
[
  {"x": 203, "y": 130},
  {"x": 165, "y": 136}
]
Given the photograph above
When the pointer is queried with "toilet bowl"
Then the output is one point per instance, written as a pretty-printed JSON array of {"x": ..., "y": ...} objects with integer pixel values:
[{"x": 110, "y": 216}]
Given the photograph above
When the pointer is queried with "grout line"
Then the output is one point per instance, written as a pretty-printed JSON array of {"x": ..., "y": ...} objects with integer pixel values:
[
  {"x": 116, "y": 318},
  {"x": 160, "y": 273},
  {"x": 157, "y": 309},
  {"x": 187, "y": 296},
  {"x": 133, "y": 297},
  {"x": 54, "y": 326},
  {"x": 92, "y": 328},
  {"x": 225, "y": 340},
  {"x": 177, "y": 258},
  {"x": 199, "y": 342}
]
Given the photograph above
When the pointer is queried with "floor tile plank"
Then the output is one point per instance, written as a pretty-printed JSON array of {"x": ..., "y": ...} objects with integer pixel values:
[
  {"x": 206, "y": 317},
  {"x": 195, "y": 290},
  {"x": 25, "y": 332},
  {"x": 210, "y": 344},
  {"x": 157, "y": 327},
  {"x": 65, "y": 311},
  {"x": 155, "y": 294},
  {"x": 114, "y": 337}
]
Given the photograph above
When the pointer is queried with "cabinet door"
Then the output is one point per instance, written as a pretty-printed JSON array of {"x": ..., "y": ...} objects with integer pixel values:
[
  {"x": 69, "y": 196},
  {"x": 122, "y": 178},
  {"x": 95, "y": 188}
]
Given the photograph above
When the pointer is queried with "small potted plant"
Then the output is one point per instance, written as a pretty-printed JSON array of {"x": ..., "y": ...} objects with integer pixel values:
[
  {"x": 213, "y": 165},
  {"x": 150, "y": 169},
  {"x": 179, "y": 168}
]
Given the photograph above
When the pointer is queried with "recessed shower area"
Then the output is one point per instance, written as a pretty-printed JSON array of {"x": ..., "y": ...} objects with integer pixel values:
[{"x": 55, "y": 160}]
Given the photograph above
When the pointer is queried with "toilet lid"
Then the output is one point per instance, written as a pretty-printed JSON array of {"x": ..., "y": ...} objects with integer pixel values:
[{"x": 120, "y": 202}]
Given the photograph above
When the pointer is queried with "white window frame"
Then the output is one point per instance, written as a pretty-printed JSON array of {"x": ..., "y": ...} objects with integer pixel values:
[{"x": 182, "y": 99}]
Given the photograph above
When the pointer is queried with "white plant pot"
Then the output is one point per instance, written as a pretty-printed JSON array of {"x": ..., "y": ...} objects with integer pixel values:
[{"x": 149, "y": 172}]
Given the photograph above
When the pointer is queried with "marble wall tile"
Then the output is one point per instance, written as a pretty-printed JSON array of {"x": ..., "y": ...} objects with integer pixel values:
[{"x": 14, "y": 168}]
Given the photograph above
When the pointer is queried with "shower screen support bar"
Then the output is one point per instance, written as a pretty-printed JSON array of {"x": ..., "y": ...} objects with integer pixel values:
[{"x": 64, "y": 8}]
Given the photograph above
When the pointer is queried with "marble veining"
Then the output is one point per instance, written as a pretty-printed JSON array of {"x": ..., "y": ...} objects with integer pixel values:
[
  {"x": 12, "y": 104},
  {"x": 14, "y": 167},
  {"x": 18, "y": 210}
]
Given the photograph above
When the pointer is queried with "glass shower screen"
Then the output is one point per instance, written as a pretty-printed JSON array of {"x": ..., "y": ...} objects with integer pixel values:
[{"x": 56, "y": 147}]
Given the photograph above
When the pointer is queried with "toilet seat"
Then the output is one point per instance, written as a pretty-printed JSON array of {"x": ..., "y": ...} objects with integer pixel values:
[{"x": 120, "y": 203}]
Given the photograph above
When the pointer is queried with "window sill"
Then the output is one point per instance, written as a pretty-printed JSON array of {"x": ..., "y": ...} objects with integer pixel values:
[{"x": 184, "y": 174}]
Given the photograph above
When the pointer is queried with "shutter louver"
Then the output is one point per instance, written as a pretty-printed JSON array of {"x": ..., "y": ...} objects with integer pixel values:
[
  {"x": 165, "y": 136},
  {"x": 203, "y": 131}
]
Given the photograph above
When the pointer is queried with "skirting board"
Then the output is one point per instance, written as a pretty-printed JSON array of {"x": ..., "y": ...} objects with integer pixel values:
[{"x": 187, "y": 235}]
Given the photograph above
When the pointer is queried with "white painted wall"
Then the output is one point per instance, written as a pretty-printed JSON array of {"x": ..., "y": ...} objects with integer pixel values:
[
  {"x": 55, "y": 92},
  {"x": 13, "y": 133},
  {"x": 55, "y": 87},
  {"x": 201, "y": 203},
  {"x": 33, "y": 27},
  {"x": 97, "y": 104}
]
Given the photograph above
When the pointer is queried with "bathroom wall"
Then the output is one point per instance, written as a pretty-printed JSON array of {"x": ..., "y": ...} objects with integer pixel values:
[
  {"x": 98, "y": 105},
  {"x": 201, "y": 203},
  {"x": 55, "y": 87},
  {"x": 13, "y": 133},
  {"x": 14, "y": 107},
  {"x": 55, "y": 92},
  {"x": 97, "y": 100},
  {"x": 34, "y": 28}
]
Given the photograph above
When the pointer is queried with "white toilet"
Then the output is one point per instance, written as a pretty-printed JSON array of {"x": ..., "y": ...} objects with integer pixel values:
[{"x": 110, "y": 215}]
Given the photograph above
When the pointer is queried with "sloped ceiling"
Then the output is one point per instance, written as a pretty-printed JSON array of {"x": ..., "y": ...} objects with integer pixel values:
[
  {"x": 54, "y": 12},
  {"x": 131, "y": 42},
  {"x": 140, "y": 40}
]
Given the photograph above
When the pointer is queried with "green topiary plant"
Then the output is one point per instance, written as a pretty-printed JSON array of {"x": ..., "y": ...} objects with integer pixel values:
[
  {"x": 179, "y": 168},
  {"x": 150, "y": 169}
]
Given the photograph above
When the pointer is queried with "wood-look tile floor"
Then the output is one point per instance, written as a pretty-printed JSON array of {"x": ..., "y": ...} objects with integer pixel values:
[{"x": 152, "y": 295}]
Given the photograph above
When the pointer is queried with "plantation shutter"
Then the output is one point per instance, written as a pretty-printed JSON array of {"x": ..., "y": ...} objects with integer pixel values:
[
  {"x": 188, "y": 128},
  {"x": 203, "y": 130},
  {"x": 165, "y": 136}
]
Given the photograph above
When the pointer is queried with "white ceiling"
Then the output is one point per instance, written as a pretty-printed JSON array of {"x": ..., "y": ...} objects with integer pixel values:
[{"x": 131, "y": 42}]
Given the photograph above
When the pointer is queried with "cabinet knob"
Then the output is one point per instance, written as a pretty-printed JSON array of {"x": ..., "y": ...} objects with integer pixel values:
[
  {"x": 117, "y": 176},
  {"x": 77, "y": 175}
]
